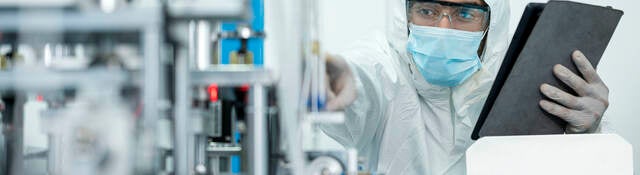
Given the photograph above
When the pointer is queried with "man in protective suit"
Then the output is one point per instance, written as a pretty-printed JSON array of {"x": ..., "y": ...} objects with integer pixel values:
[{"x": 412, "y": 95}]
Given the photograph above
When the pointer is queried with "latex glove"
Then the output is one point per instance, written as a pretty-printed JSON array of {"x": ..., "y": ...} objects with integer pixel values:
[
  {"x": 583, "y": 112},
  {"x": 341, "y": 90}
]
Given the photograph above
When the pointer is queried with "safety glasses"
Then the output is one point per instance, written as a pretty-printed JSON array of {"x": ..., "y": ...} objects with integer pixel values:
[{"x": 467, "y": 17}]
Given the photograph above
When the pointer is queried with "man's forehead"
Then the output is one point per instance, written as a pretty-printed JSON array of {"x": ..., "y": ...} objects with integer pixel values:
[{"x": 478, "y": 2}]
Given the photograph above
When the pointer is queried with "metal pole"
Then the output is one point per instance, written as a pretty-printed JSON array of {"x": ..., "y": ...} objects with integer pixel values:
[
  {"x": 151, "y": 42},
  {"x": 257, "y": 130},
  {"x": 182, "y": 118},
  {"x": 16, "y": 140},
  {"x": 203, "y": 40},
  {"x": 287, "y": 38}
]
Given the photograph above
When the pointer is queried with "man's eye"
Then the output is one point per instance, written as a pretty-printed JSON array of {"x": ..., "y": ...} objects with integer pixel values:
[
  {"x": 466, "y": 14},
  {"x": 427, "y": 12}
]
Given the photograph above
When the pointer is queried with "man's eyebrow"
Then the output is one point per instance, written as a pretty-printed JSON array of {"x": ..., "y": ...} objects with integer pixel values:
[{"x": 474, "y": 3}]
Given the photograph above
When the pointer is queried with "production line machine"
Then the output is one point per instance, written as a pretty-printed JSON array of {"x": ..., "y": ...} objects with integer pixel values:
[{"x": 162, "y": 87}]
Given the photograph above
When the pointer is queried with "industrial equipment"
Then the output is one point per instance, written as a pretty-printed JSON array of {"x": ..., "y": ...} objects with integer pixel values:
[{"x": 161, "y": 87}]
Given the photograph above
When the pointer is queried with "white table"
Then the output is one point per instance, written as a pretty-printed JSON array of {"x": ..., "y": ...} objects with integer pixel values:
[{"x": 586, "y": 154}]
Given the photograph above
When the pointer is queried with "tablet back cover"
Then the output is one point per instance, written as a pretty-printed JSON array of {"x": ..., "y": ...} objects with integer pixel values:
[{"x": 563, "y": 27}]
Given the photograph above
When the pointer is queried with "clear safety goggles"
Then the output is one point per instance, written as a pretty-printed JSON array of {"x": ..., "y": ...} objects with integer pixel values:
[{"x": 461, "y": 16}]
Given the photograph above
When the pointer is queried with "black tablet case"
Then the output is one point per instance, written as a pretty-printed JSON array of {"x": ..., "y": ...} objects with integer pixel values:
[{"x": 547, "y": 35}]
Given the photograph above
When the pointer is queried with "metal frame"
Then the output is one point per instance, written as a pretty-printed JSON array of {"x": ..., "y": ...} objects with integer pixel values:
[
  {"x": 147, "y": 21},
  {"x": 223, "y": 76},
  {"x": 137, "y": 19},
  {"x": 287, "y": 33},
  {"x": 229, "y": 76}
]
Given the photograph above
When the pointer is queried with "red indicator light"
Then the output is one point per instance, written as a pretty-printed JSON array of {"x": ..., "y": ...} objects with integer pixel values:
[{"x": 213, "y": 92}]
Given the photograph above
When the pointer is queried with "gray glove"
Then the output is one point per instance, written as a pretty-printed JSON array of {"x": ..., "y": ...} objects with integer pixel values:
[
  {"x": 341, "y": 90},
  {"x": 583, "y": 112}
]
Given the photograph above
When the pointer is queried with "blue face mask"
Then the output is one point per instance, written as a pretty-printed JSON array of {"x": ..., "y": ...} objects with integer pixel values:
[{"x": 444, "y": 57}]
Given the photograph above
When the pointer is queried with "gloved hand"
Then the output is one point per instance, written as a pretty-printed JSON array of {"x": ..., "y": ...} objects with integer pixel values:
[
  {"x": 583, "y": 112},
  {"x": 341, "y": 90}
]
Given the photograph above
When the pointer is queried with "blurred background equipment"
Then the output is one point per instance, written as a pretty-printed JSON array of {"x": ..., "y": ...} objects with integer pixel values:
[
  {"x": 83, "y": 88},
  {"x": 163, "y": 87}
]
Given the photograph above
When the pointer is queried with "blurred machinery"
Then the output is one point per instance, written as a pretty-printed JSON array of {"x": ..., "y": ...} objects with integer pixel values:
[
  {"x": 162, "y": 87},
  {"x": 83, "y": 88}
]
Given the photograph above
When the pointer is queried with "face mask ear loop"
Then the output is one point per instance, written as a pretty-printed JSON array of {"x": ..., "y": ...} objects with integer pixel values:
[
  {"x": 484, "y": 49},
  {"x": 410, "y": 64},
  {"x": 484, "y": 34}
]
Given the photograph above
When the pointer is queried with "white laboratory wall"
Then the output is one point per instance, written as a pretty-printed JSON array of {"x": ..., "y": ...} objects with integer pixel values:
[
  {"x": 344, "y": 21},
  {"x": 341, "y": 23}
]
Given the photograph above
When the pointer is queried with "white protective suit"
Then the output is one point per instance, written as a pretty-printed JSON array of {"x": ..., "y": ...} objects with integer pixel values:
[{"x": 401, "y": 123}]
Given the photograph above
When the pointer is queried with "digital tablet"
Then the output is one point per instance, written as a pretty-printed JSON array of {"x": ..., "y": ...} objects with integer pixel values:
[{"x": 547, "y": 35}]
